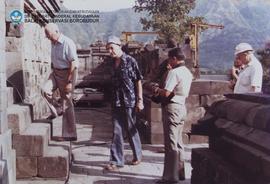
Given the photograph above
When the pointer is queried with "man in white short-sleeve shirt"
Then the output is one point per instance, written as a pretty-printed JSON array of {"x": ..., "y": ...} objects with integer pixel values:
[
  {"x": 64, "y": 70},
  {"x": 250, "y": 78},
  {"x": 176, "y": 89}
]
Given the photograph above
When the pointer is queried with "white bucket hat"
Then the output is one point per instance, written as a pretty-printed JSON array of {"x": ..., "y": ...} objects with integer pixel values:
[
  {"x": 114, "y": 40},
  {"x": 242, "y": 47}
]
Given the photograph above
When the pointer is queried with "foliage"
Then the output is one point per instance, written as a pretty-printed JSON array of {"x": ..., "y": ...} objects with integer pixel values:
[{"x": 169, "y": 17}]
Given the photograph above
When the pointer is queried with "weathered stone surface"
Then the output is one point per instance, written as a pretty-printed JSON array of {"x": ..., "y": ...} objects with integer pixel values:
[
  {"x": 55, "y": 164},
  {"x": 18, "y": 118},
  {"x": 208, "y": 168},
  {"x": 13, "y": 44},
  {"x": 13, "y": 63},
  {"x": 241, "y": 155},
  {"x": 3, "y": 171},
  {"x": 157, "y": 138},
  {"x": 26, "y": 167},
  {"x": 207, "y": 100},
  {"x": 10, "y": 99},
  {"x": 3, "y": 120},
  {"x": 202, "y": 87},
  {"x": 33, "y": 141},
  {"x": 192, "y": 101},
  {"x": 157, "y": 128},
  {"x": 256, "y": 97},
  {"x": 193, "y": 115}
]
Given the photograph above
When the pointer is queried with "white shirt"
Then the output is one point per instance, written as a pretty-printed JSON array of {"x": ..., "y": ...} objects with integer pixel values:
[
  {"x": 179, "y": 81},
  {"x": 250, "y": 76},
  {"x": 63, "y": 52}
]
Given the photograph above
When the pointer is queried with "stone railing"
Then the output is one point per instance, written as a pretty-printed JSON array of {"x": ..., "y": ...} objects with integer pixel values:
[{"x": 239, "y": 134}]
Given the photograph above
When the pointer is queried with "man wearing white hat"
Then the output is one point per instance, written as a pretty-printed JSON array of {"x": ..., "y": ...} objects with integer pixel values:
[
  {"x": 126, "y": 98},
  {"x": 250, "y": 78}
]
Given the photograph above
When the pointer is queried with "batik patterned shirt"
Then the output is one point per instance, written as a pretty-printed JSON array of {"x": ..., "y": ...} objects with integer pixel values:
[{"x": 124, "y": 79}]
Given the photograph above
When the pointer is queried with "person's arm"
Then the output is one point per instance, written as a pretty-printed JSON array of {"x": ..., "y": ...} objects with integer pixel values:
[{"x": 139, "y": 105}]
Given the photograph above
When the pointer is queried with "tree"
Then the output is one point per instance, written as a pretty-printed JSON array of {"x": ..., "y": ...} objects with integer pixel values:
[{"x": 169, "y": 17}]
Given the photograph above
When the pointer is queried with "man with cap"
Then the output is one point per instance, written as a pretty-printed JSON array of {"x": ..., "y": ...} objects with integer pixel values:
[
  {"x": 126, "y": 99},
  {"x": 250, "y": 78},
  {"x": 176, "y": 89}
]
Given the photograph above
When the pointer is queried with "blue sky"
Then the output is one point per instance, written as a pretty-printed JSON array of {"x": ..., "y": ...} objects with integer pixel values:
[{"x": 101, "y": 5}]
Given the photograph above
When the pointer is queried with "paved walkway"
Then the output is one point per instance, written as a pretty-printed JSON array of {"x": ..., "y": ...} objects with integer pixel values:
[{"x": 91, "y": 154}]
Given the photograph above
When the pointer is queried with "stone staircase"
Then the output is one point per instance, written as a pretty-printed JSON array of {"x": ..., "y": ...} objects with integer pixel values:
[{"x": 37, "y": 156}]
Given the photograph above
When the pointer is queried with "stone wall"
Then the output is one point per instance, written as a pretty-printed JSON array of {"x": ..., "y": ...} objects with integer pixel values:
[
  {"x": 36, "y": 66},
  {"x": 7, "y": 154},
  {"x": 28, "y": 60},
  {"x": 239, "y": 133}
]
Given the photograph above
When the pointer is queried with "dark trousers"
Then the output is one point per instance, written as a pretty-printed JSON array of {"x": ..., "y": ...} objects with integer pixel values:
[{"x": 124, "y": 120}]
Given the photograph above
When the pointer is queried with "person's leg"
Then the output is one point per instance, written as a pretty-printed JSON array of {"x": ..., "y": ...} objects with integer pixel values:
[
  {"x": 47, "y": 91},
  {"x": 133, "y": 135},
  {"x": 117, "y": 146},
  {"x": 68, "y": 122},
  {"x": 173, "y": 119}
]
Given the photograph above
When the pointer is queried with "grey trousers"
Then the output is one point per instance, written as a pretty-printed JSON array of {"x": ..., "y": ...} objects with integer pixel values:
[
  {"x": 58, "y": 79},
  {"x": 173, "y": 116}
]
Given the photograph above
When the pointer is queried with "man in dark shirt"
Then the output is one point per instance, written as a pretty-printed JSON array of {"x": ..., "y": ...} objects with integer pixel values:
[{"x": 126, "y": 99}]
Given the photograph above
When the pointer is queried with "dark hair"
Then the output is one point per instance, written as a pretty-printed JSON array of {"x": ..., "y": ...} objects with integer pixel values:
[{"x": 176, "y": 52}]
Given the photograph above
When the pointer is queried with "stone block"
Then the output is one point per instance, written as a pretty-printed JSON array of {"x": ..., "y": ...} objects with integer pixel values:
[
  {"x": 261, "y": 118},
  {"x": 266, "y": 167},
  {"x": 12, "y": 167},
  {"x": 157, "y": 128},
  {"x": 14, "y": 44},
  {"x": 26, "y": 167},
  {"x": 33, "y": 141},
  {"x": 208, "y": 167},
  {"x": 157, "y": 138},
  {"x": 250, "y": 97},
  {"x": 3, "y": 99},
  {"x": 15, "y": 30},
  {"x": 242, "y": 155},
  {"x": 14, "y": 62},
  {"x": 18, "y": 118},
  {"x": 5, "y": 145},
  {"x": 202, "y": 87},
  {"x": 14, "y": 3},
  {"x": 153, "y": 114},
  {"x": 55, "y": 164},
  {"x": 238, "y": 110},
  {"x": 3, "y": 80},
  {"x": 193, "y": 115},
  {"x": 3, "y": 122},
  {"x": 207, "y": 100},
  {"x": 198, "y": 139},
  {"x": 192, "y": 101},
  {"x": 3, "y": 60},
  {"x": 2, "y": 30},
  {"x": 10, "y": 98}
]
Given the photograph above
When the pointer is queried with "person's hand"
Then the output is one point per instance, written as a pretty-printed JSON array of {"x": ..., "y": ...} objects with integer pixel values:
[
  {"x": 139, "y": 105},
  {"x": 68, "y": 88},
  {"x": 154, "y": 89}
]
